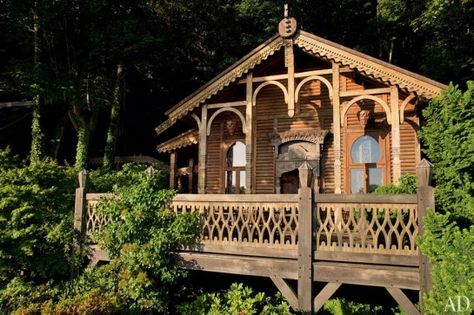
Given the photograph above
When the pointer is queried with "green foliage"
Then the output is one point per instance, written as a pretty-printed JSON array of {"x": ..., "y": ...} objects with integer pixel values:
[
  {"x": 405, "y": 185},
  {"x": 340, "y": 306},
  {"x": 235, "y": 301},
  {"x": 451, "y": 252},
  {"x": 449, "y": 144},
  {"x": 448, "y": 239},
  {"x": 37, "y": 240}
]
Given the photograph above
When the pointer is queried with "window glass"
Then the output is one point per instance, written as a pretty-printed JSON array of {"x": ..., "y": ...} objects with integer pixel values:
[
  {"x": 357, "y": 181},
  {"x": 375, "y": 178},
  {"x": 365, "y": 150},
  {"x": 236, "y": 155}
]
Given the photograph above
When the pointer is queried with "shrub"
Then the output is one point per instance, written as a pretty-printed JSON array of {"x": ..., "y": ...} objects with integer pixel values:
[
  {"x": 235, "y": 301},
  {"x": 37, "y": 239},
  {"x": 405, "y": 185}
]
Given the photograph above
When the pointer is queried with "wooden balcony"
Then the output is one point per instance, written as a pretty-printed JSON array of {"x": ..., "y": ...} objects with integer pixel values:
[{"x": 337, "y": 239}]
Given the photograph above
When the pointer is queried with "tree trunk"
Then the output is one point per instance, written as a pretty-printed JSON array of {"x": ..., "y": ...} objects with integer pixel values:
[
  {"x": 111, "y": 140},
  {"x": 36, "y": 150}
]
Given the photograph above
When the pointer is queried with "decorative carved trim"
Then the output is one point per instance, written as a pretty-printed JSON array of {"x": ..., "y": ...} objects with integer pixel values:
[
  {"x": 314, "y": 136},
  {"x": 312, "y": 78},
  {"x": 404, "y": 105},
  {"x": 364, "y": 116},
  {"x": 227, "y": 109},
  {"x": 183, "y": 140},
  {"x": 369, "y": 65},
  {"x": 369, "y": 97},
  {"x": 261, "y": 86}
]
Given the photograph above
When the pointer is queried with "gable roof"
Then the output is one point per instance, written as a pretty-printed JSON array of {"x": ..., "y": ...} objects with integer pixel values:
[{"x": 315, "y": 45}]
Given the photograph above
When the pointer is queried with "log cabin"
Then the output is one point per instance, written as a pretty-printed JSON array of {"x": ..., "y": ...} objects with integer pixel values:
[
  {"x": 284, "y": 149},
  {"x": 298, "y": 98}
]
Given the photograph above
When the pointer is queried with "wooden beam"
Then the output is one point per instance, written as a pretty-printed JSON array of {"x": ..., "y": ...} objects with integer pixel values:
[
  {"x": 240, "y": 265},
  {"x": 396, "y": 163},
  {"x": 336, "y": 113},
  {"x": 298, "y": 75},
  {"x": 325, "y": 295},
  {"x": 367, "y": 274},
  {"x": 403, "y": 301},
  {"x": 367, "y": 198},
  {"x": 16, "y": 104},
  {"x": 290, "y": 64},
  {"x": 365, "y": 92},
  {"x": 366, "y": 258},
  {"x": 202, "y": 151},
  {"x": 305, "y": 240},
  {"x": 286, "y": 291},
  {"x": 173, "y": 159},
  {"x": 249, "y": 135},
  {"x": 226, "y": 104}
]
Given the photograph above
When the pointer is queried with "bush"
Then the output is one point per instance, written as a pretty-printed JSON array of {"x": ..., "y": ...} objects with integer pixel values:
[
  {"x": 451, "y": 252},
  {"x": 341, "y": 306},
  {"x": 405, "y": 185},
  {"x": 448, "y": 239},
  {"x": 37, "y": 240},
  {"x": 235, "y": 301}
]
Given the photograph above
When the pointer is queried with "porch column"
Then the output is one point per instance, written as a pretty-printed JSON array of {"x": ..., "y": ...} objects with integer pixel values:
[
  {"x": 202, "y": 151},
  {"x": 249, "y": 135},
  {"x": 336, "y": 126},
  {"x": 191, "y": 175},
  {"x": 395, "y": 120},
  {"x": 173, "y": 170}
]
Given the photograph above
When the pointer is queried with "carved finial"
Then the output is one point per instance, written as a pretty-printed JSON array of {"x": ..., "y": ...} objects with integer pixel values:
[
  {"x": 305, "y": 172},
  {"x": 424, "y": 172},
  {"x": 83, "y": 176},
  {"x": 287, "y": 26}
]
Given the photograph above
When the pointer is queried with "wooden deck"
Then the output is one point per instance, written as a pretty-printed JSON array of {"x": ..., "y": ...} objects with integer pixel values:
[{"x": 336, "y": 239}]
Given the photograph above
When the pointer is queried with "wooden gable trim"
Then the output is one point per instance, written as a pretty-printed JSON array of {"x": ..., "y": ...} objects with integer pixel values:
[
  {"x": 226, "y": 77},
  {"x": 183, "y": 140},
  {"x": 368, "y": 65}
]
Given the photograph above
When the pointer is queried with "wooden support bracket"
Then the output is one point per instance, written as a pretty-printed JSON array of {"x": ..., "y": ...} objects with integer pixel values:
[
  {"x": 403, "y": 301},
  {"x": 286, "y": 291},
  {"x": 325, "y": 295}
]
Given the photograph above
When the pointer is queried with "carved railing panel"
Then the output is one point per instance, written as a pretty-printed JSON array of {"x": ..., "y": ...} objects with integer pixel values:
[
  {"x": 367, "y": 227},
  {"x": 95, "y": 222},
  {"x": 269, "y": 221}
]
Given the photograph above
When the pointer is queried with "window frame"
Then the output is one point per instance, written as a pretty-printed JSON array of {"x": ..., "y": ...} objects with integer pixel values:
[
  {"x": 226, "y": 168},
  {"x": 381, "y": 137}
]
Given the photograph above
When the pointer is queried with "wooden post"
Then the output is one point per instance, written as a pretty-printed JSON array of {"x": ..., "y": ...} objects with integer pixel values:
[
  {"x": 80, "y": 206},
  {"x": 290, "y": 64},
  {"x": 336, "y": 125},
  {"x": 173, "y": 170},
  {"x": 249, "y": 134},
  {"x": 191, "y": 175},
  {"x": 305, "y": 240},
  {"x": 426, "y": 199},
  {"x": 395, "y": 121},
  {"x": 202, "y": 151}
]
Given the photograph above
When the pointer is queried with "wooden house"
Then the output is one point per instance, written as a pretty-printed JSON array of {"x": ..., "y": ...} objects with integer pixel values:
[
  {"x": 295, "y": 98},
  {"x": 286, "y": 143}
]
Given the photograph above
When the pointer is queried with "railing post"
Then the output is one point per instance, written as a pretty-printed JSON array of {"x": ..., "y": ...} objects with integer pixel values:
[
  {"x": 426, "y": 199},
  {"x": 305, "y": 240},
  {"x": 80, "y": 206}
]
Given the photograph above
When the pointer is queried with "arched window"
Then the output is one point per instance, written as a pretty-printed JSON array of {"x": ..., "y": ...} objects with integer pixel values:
[
  {"x": 365, "y": 169},
  {"x": 235, "y": 169}
]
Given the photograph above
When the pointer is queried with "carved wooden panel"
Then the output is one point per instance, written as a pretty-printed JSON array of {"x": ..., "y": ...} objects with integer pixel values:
[
  {"x": 367, "y": 228},
  {"x": 256, "y": 224}
]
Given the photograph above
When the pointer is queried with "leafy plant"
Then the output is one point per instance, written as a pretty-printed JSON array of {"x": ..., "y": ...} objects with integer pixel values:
[
  {"x": 235, "y": 301},
  {"x": 405, "y": 185}
]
